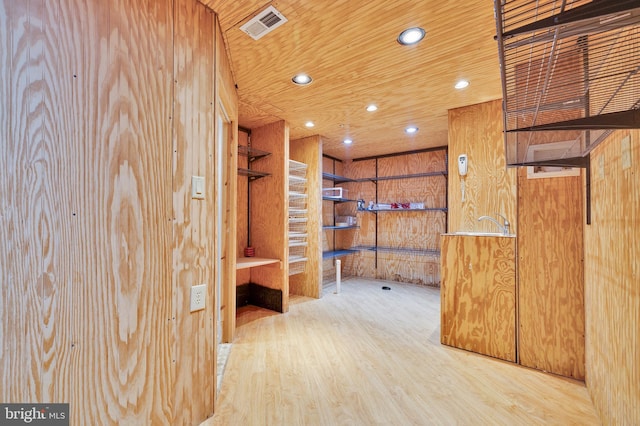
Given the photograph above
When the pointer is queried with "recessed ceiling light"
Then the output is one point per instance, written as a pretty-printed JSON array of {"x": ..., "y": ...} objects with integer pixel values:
[
  {"x": 461, "y": 84},
  {"x": 302, "y": 79},
  {"x": 309, "y": 124},
  {"x": 372, "y": 108},
  {"x": 411, "y": 130},
  {"x": 347, "y": 141},
  {"x": 411, "y": 36}
]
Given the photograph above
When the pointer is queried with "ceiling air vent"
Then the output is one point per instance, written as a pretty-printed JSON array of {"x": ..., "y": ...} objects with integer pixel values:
[{"x": 263, "y": 23}]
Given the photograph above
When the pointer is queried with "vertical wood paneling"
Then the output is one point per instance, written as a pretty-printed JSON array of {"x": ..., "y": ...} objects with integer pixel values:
[
  {"x": 194, "y": 256},
  {"x": 60, "y": 245},
  {"x": 478, "y": 295},
  {"x": 269, "y": 223},
  {"x": 226, "y": 95},
  {"x": 309, "y": 151},
  {"x": 476, "y": 130},
  {"x": 22, "y": 194},
  {"x": 93, "y": 310},
  {"x": 612, "y": 277},
  {"x": 243, "y": 276},
  {"x": 550, "y": 274}
]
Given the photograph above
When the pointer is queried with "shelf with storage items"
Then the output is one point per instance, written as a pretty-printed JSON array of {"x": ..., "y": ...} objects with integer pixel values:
[
  {"x": 252, "y": 154},
  {"x": 298, "y": 217},
  {"x": 401, "y": 211},
  {"x": 337, "y": 195},
  {"x": 337, "y": 228}
]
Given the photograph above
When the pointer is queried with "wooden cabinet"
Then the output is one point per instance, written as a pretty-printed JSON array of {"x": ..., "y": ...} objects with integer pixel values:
[{"x": 478, "y": 294}]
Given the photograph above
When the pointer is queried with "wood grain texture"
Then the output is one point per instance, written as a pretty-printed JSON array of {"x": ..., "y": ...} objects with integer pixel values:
[
  {"x": 612, "y": 294},
  {"x": 368, "y": 356},
  {"x": 491, "y": 188},
  {"x": 91, "y": 196},
  {"x": 550, "y": 274},
  {"x": 269, "y": 222},
  {"x": 397, "y": 229},
  {"x": 309, "y": 151},
  {"x": 412, "y": 84},
  {"x": 478, "y": 295},
  {"x": 227, "y": 106},
  {"x": 194, "y": 226}
]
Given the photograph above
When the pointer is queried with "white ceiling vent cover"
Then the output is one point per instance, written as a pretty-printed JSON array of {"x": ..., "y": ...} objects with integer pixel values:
[{"x": 263, "y": 23}]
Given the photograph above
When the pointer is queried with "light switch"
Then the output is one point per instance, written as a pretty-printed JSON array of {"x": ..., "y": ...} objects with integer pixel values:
[{"x": 197, "y": 187}]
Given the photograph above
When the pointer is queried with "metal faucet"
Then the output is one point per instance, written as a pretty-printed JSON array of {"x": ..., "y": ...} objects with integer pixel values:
[{"x": 504, "y": 228}]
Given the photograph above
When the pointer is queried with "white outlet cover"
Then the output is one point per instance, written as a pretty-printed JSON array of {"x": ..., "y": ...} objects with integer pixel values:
[{"x": 198, "y": 296}]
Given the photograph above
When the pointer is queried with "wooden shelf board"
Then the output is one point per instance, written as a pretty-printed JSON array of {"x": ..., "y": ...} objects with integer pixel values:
[{"x": 251, "y": 262}]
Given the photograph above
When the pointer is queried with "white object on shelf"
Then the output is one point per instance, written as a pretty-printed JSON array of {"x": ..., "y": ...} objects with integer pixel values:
[{"x": 336, "y": 192}]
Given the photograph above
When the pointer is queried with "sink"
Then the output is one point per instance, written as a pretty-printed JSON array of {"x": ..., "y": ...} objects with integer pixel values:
[{"x": 480, "y": 234}]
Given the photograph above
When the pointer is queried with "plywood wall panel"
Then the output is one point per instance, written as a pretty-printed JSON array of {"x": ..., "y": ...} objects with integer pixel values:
[
  {"x": 269, "y": 223},
  {"x": 421, "y": 269},
  {"x": 194, "y": 248},
  {"x": 21, "y": 192},
  {"x": 91, "y": 309},
  {"x": 476, "y": 130},
  {"x": 309, "y": 151},
  {"x": 550, "y": 274},
  {"x": 478, "y": 295},
  {"x": 612, "y": 277}
]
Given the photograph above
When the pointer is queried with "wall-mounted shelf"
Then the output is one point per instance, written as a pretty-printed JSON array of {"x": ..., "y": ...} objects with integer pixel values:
[
  {"x": 406, "y": 250},
  {"x": 338, "y": 228},
  {"x": 252, "y": 153},
  {"x": 409, "y": 176},
  {"x": 252, "y": 174},
  {"x": 427, "y": 209},
  {"x": 384, "y": 193},
  {"x": 336, "y": 178},
  {"x": 338, "y": 253},
  {"x": 338, "y": 200},
  {"x": 252, "y": 262}
]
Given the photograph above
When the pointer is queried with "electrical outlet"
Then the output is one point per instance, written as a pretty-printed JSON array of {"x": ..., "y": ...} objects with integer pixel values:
[{"x": 198, "y": 293}]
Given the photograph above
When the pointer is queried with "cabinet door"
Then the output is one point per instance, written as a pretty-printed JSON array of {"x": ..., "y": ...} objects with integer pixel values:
[{"x": 478, "y": 295}]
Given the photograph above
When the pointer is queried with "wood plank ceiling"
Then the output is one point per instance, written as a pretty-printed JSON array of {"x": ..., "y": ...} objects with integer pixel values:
[{"x": 350, "y": 50}]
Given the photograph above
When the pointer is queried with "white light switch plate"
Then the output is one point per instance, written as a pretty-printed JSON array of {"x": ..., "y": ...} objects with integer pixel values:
[
  {"x": 197, "y": 187},
  {"x": 198, "y": 293}
]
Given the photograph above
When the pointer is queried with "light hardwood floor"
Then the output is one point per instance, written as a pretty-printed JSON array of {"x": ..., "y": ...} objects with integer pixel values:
[{"x": 373, "y": 357}]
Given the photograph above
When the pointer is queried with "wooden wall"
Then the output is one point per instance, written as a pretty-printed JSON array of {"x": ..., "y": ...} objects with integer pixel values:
[
  {"x": 548, "y": 223},
  {"x": 243, "y": 276},
  {"x": 550, "y": 274},
  {"x": 309, "y": 151},
  {"x": 269, "y": 220},
  {"x": 476, "y": 130},
  {"x": 398, "y": 229},
  {"x": 612, "y": 280},
  {"x": 478, "y": 295},
  {"x": 227, "y": 107},
  {"x": 106, "y": 111}
]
